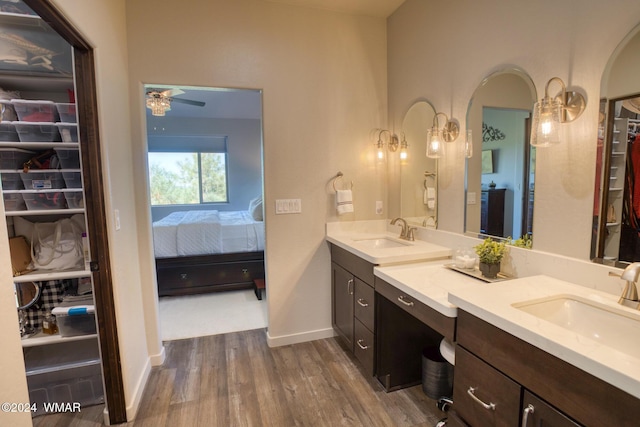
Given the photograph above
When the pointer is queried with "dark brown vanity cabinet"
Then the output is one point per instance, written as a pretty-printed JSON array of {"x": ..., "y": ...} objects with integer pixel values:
[
  {"x": 501, "y": 380},
  {"x": 492, "y": 205},
  {"x": 353, "y": 305}
]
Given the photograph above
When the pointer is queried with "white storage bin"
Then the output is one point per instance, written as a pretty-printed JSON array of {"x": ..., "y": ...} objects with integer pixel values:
[
  {"x": 72, "y": 179},
  {"x": 67, "y": 112},
  {"x": 35, "y": 111},
  {"x": 37, "y": 132},
  {"x": 68, "y": 132},
  {"x": 14, "y": 158},
  {"x": 8, "y": 132},
  {"x": 75, "y": 199},
  {"x": 44, "y": 200},
  {"x": 73, "y": 321},
  {"x": 81, "y": 385},
  {"x": 13, "y": 202},
  {"x": 42, "y": 180},
  {"x": 69, "y": 158},
  {"x": 11, "y": 181}
]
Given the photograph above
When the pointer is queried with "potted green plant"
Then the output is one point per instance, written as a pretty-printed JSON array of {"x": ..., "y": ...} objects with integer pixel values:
[{"x": 490, "y": 253}]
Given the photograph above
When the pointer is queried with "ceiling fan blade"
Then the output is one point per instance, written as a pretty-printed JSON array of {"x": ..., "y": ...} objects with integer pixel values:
[
  {"x": 172, "y": 92},
  {"x": 188, "y": 102}
]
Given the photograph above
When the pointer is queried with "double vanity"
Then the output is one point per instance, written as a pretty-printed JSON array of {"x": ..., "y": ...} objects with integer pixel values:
[{"x": 528, "y": 351}]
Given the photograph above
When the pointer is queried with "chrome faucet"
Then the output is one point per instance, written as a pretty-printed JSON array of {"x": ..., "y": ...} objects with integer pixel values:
[
  {"x": 407, "y": 233},
  {"x": 629, "y": 297}
]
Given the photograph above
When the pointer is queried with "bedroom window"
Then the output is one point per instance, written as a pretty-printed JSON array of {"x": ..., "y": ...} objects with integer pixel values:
[{"x": 192, "y": 178}]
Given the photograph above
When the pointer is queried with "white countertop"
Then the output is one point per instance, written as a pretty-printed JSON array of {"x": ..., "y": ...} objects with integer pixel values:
[
  {"x": 493, "y": 304},
  {"x": 429, "y": 283},
  {"x": 410, "y": 251}
]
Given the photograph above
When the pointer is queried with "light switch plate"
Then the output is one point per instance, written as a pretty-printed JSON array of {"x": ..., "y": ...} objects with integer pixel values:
[
  {"x": 379, "y": 207},
  {"x": 288, "y": 206},
  {"x": 116, "y": 214},
  {"x": 471, "y": 198}
]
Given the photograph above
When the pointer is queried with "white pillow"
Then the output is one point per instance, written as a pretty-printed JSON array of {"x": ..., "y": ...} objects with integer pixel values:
[{"x": 255, "y": 209}]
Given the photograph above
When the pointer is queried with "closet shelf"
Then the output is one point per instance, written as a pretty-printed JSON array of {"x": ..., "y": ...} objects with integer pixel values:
[
  {"x": 43, "y": 275},
  {"x": 56, "y": 368},
  {"x": 44, "y": 339}
]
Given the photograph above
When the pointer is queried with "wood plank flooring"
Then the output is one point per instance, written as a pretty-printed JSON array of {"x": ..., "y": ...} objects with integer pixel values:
[{"x": 237, "y": 380}]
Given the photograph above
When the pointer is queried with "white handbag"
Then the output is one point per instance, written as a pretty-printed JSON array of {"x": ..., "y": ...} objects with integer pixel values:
[{"x": 57, "y": 246}]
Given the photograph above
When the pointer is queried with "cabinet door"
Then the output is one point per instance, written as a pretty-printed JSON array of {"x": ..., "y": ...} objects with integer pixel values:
[
  {"x": 482, "y": 395},
  {"x": 342, "y": 291},
  {"x": 538, "y": 413}
]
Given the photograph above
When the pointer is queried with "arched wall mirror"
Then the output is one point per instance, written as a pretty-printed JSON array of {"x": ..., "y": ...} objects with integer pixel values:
[
  {"x": 616, "y": 238},
  {"x": 501, "y": 173},
  {"x": 419, "y": 174}
]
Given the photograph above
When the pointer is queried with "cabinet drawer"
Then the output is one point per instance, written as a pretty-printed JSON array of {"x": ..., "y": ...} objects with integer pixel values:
[
  {"x": 364, "y": 346},
  {"x": 188, "y": 278},
  {"x": 364, "y": 304},
  {"x": 440, "y": 323},
  {"x": 356, "y": 265},
  {"x": 482, "y": 395},
  {"x": 543, "y": 414}
]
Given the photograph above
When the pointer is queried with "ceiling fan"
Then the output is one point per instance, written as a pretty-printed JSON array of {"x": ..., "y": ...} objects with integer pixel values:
[{"x": 159, "y": 101}]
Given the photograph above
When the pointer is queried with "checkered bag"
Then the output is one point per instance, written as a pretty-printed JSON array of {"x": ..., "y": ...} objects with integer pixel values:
[{"x": 51, "y": 295}]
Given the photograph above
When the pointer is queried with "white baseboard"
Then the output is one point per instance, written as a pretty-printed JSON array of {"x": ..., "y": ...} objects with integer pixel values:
[
  {"x": 132, "y": 408},
  {"x": 158, "y": 359},
  {"x": 298, "y": 338}
]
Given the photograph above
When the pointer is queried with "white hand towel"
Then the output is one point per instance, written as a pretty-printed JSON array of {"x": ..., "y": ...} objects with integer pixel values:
[{"x": 344, "y": 201}]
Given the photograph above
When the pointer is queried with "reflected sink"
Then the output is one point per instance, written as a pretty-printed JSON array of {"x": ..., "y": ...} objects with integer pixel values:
[
  {"x": 606, "y": 325},
  {"x": 380, "y": 243}
]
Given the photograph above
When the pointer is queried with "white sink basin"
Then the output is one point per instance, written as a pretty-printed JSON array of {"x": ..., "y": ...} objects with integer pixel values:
[
  {"x": 381, "y": 243},
  {"x": 618, "y": 329}
]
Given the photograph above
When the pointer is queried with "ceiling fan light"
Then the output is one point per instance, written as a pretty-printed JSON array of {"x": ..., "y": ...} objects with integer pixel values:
[{"x": 158, "y": 105}]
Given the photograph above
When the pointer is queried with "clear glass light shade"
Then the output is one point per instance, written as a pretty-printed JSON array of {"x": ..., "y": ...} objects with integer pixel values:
[
  {"x": 158, "y": 105},
  {"x": 404, "y": 152},
  {"x": 435, "y": 144},
  {"x": 468, "y": 145},
  {"x": 546, "y": 121},
  {"x": 380, "y": 154}
]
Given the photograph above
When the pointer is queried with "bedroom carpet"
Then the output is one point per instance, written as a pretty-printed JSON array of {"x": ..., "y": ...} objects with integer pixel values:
[{"x": 211, "y": 314}]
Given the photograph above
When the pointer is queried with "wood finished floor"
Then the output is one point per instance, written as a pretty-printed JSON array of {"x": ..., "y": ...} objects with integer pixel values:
[{"x": 237, "y": 380}]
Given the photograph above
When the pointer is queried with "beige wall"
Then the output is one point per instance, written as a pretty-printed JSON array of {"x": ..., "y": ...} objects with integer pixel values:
[
  {"x": 323, "y": 77},
  {"x": 441, "y": 51}
]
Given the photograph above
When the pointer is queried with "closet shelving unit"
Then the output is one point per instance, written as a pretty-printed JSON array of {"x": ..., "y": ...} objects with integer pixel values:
[
  {"x": 59, "y": 369},
  {"x": 616, "y": 186}
]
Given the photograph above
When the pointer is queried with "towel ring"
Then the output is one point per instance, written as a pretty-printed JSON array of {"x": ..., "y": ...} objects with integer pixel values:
[
  {"x": 339, "y": 176},
  {"x": 428, "y": 174}
]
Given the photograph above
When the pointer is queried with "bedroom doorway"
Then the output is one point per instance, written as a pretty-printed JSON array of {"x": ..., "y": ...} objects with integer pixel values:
[{"x": 205, "y": 174}]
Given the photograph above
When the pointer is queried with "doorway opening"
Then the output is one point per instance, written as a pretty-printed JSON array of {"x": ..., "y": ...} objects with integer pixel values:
[{"x": 205, "y": 175}]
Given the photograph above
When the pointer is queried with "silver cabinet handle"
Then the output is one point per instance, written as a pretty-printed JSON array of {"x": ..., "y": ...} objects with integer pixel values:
[
  {"x": 350, "y": 287},
  {"x": 364, "y": 347},
  {"x": 472, "y": 392},
  {"x": 401, "y": 298},
  {"x": 525, "y": 414},
  {"x": 363, "y": 303}
]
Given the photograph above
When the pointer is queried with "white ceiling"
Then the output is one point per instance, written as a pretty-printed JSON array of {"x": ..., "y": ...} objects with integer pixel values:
[{"x": 378, "y": 8}]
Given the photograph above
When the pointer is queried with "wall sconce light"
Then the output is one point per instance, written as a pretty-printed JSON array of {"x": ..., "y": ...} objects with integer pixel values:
[
  {"x": 392, "y": 145},
  {"x": 549, "y": 113},
  {"x": 468, "y": 145},
  {"x": 436, "y": 136},
  {"x": 404, "y": 154}
]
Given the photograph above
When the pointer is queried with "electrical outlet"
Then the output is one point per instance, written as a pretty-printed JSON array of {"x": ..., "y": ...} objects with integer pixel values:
[
  {"x": 379, "y": 207},
  {"x": 116, "y": 214}
]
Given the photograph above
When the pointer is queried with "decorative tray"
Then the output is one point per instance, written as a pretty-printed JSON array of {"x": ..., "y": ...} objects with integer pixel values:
[{"x": 476, "y": 273}]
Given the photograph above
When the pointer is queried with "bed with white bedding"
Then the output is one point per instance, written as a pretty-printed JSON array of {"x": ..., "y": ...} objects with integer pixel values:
[{"x": 207, "y": 250}]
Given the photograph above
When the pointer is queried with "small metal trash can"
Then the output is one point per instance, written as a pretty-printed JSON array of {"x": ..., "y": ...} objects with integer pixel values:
[{"x": 437, "y": 374}]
